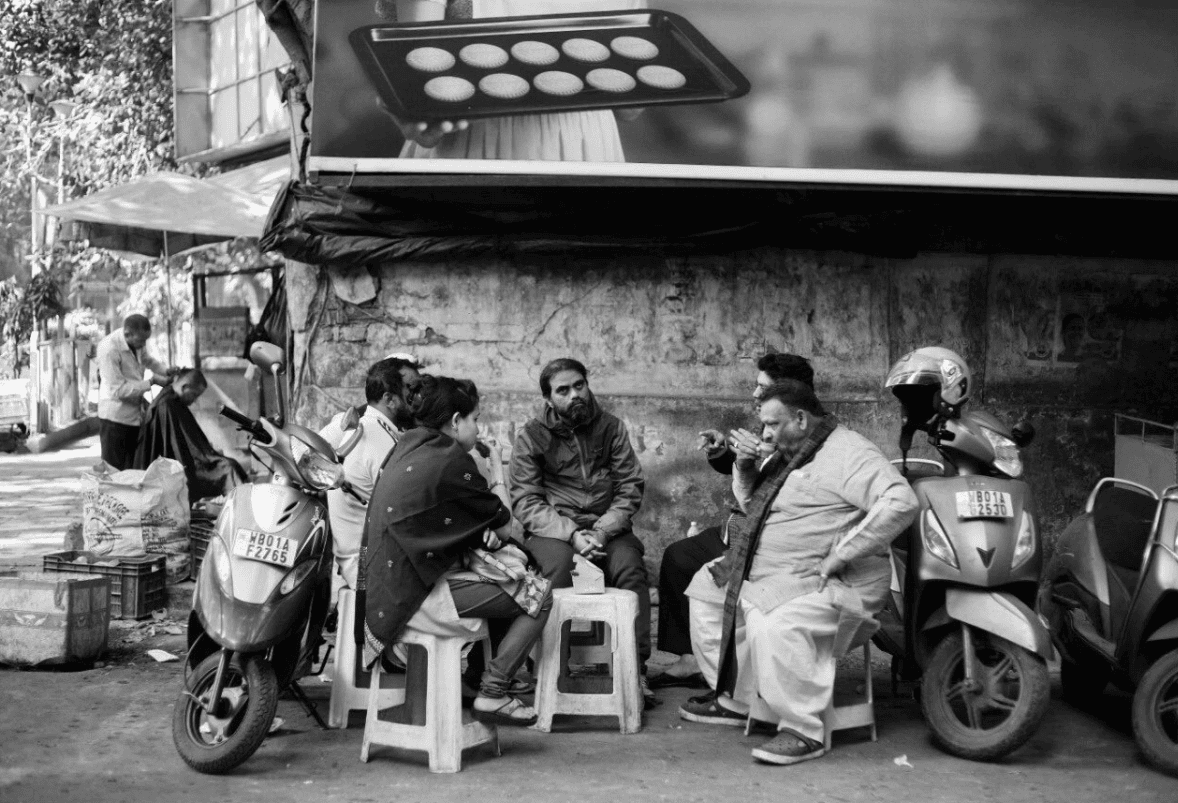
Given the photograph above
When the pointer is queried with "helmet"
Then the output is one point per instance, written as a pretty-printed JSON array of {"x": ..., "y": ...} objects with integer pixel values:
[{"x": 931, "y": 377}]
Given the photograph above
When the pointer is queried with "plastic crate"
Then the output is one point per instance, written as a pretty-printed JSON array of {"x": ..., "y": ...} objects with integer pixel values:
[
  {"x": 200, "y": 531},
  {"x": 138, "y": 586}
]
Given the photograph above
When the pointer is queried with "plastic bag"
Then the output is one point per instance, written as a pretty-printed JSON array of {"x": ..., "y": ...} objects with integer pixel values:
[{"x": 132, "y": 513}]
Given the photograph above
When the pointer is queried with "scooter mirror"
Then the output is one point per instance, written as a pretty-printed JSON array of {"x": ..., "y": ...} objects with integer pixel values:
[
  {"x": 267, "y": 356},
  {"x": 1024, "y": 433}
]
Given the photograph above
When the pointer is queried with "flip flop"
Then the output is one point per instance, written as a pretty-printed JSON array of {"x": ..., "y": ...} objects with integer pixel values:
[
  {"x": 510, "y": 711},
  {"x": 666, "y": 681}
]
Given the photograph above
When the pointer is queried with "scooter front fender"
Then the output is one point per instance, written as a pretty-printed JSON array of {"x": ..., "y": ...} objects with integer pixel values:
[
  {"x": 1001, "y": 614},
  {"x": 1166, "y": 632}
]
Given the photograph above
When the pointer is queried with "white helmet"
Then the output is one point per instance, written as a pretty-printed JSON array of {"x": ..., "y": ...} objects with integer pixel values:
[{"x": 943, "y": 374}]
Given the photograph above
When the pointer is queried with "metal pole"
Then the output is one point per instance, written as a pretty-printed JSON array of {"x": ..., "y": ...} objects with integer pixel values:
[{"x": 168, "y": 294}]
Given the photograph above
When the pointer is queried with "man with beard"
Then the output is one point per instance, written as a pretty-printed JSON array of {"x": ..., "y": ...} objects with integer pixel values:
[
  {"x": 383, "y": 420},
  {"x": 171, "y": 430},
  {"x": 575, "y": 486},
  {"x": 805, "y": 574}
]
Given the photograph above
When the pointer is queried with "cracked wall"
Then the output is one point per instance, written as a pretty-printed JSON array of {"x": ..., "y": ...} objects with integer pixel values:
[{"x": 671, "y": 346}]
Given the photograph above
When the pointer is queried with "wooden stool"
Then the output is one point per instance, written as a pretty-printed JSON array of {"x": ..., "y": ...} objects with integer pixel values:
[
  {"x": 350, "y": 680},
  {"x": 431, "y": 718},
  {"x": 857, "y": 715},
  {"x": 616, "y": 608},
  {"x": 834, "y": 718}
]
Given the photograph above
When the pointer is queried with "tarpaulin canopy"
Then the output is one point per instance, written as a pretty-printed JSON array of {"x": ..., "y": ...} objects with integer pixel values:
[
  {"x": 262, "y": 179},
  {"x": 165, "y": 214},
  {"x": 430, "y": 218}
]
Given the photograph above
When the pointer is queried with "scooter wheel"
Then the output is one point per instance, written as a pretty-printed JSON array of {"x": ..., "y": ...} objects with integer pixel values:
[
  {"x": 1155, "y": 713},
  {"x": 216, "y": 743},
  {"x": 996, "y": 713}
]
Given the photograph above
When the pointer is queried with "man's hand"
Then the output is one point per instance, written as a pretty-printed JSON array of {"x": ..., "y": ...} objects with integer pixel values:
[
  {"x": 712, "y": 441},
  {"x": 491, "y": 540},
  {"x": 160, "y": 379},
  {"x": 829, "y": 567},
  {"x": 586, "y": 544},
  {"x": 746, "y": 446}
]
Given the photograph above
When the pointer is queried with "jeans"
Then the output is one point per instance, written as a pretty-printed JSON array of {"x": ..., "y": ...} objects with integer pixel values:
[{"x": 479, "y": 600}]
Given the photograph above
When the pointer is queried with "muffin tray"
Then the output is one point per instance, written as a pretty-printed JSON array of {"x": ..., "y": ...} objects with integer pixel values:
[{"x": 383, "y": 49}]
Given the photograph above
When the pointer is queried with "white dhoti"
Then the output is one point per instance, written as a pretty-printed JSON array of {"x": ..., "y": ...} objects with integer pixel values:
[{"x": 706, "y": 622}]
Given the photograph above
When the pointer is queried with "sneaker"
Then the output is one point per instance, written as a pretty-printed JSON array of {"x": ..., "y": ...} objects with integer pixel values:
[
  {"x": 711, "y": 713},
  {"x": 788, "y": 748}
]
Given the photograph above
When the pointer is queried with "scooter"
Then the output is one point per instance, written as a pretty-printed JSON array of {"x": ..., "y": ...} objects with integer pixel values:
[
  {"x": 1111, "y": 599},
  {"x": 965, "y": 577},
  {"x": 262, "y": 593}
]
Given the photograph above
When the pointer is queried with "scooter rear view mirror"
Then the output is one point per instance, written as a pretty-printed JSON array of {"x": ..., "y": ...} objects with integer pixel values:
[
  {"x": 267, "y": 356},
  {"x": 1024, "y": 433}
]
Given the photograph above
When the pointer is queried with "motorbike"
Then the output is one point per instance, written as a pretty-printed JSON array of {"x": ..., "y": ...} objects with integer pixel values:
[
  {"x": 960, "y": 616},
  {"x": 1111, "y": 599},
  {"x": 262, "y": 593}
]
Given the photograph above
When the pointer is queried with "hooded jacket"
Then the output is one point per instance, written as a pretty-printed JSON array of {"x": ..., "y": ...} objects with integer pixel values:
[{"x": 565, "y": 479}]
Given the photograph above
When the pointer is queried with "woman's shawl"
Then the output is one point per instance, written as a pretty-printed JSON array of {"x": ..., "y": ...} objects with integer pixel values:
[{"x": 429, "y": 506}]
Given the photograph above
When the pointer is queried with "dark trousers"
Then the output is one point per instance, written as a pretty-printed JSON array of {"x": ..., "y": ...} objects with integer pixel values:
[
  {"x": 623, "y": 568},
  {"x": 681, "y": 560},
  {"x": 488, "y": 601},
  {"x": 118, "y": 442}
]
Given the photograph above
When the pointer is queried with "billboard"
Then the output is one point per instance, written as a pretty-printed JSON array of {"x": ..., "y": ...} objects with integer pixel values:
[{"x": 1037, "y": 89}]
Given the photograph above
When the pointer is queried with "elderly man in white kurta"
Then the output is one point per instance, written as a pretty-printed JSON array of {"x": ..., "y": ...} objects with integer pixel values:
[{"x": 807, "y": 572}]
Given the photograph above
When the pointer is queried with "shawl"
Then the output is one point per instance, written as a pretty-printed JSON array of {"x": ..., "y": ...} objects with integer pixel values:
[{"x": 744, "y": 534}]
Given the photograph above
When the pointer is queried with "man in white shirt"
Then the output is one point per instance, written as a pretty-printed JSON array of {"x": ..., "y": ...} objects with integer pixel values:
[
  {"x": 385, "y": 390},
  {"x": 122, "y": 363}
]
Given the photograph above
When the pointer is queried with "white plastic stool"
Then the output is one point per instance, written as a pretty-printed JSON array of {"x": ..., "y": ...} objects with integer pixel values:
[
  {"x": 431, "y": 718},
  {"x": 616, "y": 608},
  {"x": 856, "y": 715},
  {"x": 350, "y": 681},
  {"x": 834, "y": 718}
]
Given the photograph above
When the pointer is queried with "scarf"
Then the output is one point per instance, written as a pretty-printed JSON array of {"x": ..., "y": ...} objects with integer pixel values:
[{"x": 744, "y": 534}]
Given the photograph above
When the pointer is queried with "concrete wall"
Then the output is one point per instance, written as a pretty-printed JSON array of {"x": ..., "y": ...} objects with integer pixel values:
[{"x": 671, "y": 346}]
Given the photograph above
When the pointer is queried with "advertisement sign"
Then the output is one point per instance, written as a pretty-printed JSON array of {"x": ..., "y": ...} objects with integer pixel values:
[{"x": 1039, "y": 92}]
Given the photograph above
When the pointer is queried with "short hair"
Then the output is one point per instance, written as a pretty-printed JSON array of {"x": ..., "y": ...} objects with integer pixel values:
[
  {"x": 795, "y": 394},
  {"x": 787, "y": 366},
  {"x": 555, "y": 367},
  {"x": 440, "y": 397},
  {"x": 136, "y": 322},
  {"x": 194, "y": 374},
  {"x": 383, "y": 377}
]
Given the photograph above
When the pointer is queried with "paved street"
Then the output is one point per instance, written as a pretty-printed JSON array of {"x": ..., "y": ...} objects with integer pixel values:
[{"x": 40, "y": 494}]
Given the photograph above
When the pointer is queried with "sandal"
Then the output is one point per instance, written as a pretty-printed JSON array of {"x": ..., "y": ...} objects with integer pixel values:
[
  {"x": 503, "y": 711},
  {"x": 788, "y": 747}
]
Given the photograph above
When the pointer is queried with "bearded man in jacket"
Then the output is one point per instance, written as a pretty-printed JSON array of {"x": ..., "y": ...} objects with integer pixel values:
[{"x": 575, "y": 486}]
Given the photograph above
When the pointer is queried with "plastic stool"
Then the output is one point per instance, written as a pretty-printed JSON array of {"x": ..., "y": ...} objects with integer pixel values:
[
  {"x": 616, "y": 608},
  {"x": 350, "y": 680},
  {"x": 431, "y": 718},
  {"x": 834, "y": 718},
  {"x": 857, "y": 715}
]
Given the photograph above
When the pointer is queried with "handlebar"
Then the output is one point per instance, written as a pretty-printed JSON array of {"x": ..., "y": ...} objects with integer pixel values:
[{"x": 245, "y": 422}]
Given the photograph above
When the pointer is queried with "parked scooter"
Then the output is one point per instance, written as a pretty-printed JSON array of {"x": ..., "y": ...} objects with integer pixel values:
[
  {"x": 262, "y": 592},
  {"x": 966, "y": 572},
  {"x": 1111, "y": 599}
]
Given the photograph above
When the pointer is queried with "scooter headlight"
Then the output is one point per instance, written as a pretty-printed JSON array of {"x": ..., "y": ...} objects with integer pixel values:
[
  {"x": 295, "y": 576},
  {"x": 936, "y": 541},
  {"x": 319, "y": 472},
  {"x": 1024, "y": 546},
  {"x": 218, "y": 555},
  {"x": 1006, "y": 456}
]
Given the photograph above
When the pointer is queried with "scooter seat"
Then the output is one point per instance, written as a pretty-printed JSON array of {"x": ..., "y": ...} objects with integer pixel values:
[{"x": 1123, "y": 519}]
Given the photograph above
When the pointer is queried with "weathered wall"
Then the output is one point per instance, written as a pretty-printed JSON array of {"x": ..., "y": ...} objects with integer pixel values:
[{"x": 671, "y": 346}]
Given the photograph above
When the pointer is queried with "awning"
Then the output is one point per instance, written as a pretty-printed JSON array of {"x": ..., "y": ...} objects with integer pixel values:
[
  {"x": 165, "y": 214},
  {"x": 262, "y": 179}
]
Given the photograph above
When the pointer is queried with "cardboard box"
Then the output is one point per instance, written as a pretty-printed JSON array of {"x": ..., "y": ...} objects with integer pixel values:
[{"x": 52, "y": 619}]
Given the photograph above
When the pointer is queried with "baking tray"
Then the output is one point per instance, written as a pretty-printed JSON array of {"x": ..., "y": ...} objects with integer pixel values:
[{"x": 382, "y": 50}]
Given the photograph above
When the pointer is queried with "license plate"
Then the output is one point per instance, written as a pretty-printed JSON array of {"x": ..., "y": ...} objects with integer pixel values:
[
  {"x": 264, "y": 547},
  {"x": 984, "y": 505}
]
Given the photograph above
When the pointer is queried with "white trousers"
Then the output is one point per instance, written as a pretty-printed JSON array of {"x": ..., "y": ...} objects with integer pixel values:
[{"x": 785, "y": 658}]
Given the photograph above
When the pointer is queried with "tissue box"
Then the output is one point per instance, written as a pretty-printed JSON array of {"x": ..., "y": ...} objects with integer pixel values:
[{"x": 587, "y": 578}]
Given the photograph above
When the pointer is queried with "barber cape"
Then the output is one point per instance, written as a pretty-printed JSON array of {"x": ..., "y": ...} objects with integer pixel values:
[{"x": 171, "y": 430}]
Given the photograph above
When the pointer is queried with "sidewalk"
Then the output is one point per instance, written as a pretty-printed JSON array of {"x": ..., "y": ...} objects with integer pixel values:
[{"x": 40, "y": 495}]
